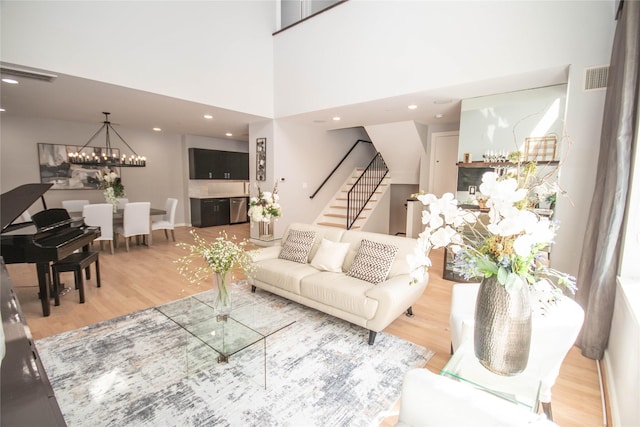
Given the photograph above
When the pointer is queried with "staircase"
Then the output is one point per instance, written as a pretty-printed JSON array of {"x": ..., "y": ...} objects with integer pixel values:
[{"x": 335, "y": 213}]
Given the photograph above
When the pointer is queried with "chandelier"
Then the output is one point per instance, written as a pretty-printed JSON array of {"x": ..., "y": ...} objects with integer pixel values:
[{"x": 106, "y": 156}]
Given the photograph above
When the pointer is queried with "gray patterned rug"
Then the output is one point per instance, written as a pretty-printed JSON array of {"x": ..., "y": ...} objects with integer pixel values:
[{"x": 135, "y": 371}]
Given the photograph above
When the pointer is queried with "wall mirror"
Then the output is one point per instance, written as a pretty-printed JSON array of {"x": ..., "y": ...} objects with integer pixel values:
[{"x": 529, "y": 121}]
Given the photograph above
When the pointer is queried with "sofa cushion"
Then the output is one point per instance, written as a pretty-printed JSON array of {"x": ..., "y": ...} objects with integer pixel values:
[
  {"x": 373, "y": 261},
  {"x": 330, "y": 256},
  {"x": 341, "y": 292},
  {"x": 282, "y": 273},
  {"x": 297, "y": 246}
]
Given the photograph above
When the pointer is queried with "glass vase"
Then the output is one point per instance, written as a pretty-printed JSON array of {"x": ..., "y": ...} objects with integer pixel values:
[
  {"x": 502, "y": 334},
  {"x": 222, "y": 303}
]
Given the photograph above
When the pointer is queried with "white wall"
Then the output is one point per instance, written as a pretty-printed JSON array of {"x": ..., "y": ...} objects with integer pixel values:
[
  {"x": 400, "y": 47},
  {"x": 382, "y": 49},
  {"x": 213, "y": 52}
]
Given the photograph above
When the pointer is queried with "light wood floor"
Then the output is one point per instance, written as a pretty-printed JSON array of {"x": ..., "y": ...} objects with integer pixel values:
[{"x": 146, "y": 276}]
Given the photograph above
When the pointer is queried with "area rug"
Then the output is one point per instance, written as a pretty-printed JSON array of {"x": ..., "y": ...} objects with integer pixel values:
[{"x": 135, "y": 371}]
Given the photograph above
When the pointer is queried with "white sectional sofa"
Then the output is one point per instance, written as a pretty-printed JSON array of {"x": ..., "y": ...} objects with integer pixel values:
[{"x": 360, "y": 277}]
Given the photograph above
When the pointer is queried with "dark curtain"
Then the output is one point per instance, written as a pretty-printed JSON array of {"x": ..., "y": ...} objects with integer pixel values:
[{"x": 601, "y": 251}]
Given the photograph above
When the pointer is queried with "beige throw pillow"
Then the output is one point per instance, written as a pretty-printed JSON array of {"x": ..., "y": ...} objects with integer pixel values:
[{"x": 330, "y": 256}]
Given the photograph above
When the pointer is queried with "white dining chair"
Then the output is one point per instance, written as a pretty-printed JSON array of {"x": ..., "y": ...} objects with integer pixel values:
[
  {"x": 122, "y": 201},
  {"x": 168, "y": 219},
  {"x": 135, "y": 222},
  {"x": 553, "y": 333},
  {"x": 74, "y": 205},
  {"x": 100, "y": 215}
]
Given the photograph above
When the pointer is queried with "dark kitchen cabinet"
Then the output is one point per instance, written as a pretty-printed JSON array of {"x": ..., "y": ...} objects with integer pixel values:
[
  {"x": 216, "y": 164},
  {"x": 209, "y": 212}
]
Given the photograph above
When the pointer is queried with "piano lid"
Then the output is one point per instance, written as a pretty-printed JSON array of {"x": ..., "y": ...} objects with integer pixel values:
[{"x": 18, "y": 200}]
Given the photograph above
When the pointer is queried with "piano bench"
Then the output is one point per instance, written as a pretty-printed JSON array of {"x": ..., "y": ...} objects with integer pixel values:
[{"x": 75, "y": 262}]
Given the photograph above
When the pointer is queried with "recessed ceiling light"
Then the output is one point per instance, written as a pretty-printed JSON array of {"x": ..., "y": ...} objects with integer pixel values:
[
  {"x": 412, "y": 107},
  {"x": 229, "y": 134},
  {"x": 10, "y": 81},
  {"x": 2, "y": 109},
  {"x": 336, "y": 118},
  {"x": 208, "y": 116},
  {"x": 439, "y": 116},
  {"x": 157, "y": 129}
]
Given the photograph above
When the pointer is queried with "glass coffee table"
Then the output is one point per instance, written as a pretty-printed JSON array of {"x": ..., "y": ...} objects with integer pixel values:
[
  {"x": 245, "y": 328},
  {"x": 522, "y": 389}
]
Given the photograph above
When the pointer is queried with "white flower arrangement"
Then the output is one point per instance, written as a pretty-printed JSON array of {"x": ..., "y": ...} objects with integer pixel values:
[
  {"x": 507, "y": 246},
  {"x": 109, "y": 180},
  {"x": 219, "y": 256},
  {"x": 265, "y": 206}
]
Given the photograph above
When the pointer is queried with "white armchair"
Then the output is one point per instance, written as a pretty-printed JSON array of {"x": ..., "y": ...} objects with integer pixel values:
[
  {"x": 553, "y": 334},
  {"x": 431, "y": 400}
]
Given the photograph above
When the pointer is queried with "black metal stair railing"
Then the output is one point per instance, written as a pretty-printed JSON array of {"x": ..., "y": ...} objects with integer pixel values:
[
  {"x": 337, "y": 166},
  {"x": 364, "y": 188}
]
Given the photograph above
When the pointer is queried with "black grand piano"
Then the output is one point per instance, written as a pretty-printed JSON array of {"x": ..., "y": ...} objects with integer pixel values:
[{"x": 23, "y": 242}]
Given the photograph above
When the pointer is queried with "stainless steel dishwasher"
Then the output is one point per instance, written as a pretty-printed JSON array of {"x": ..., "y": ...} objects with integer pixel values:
[{"x": 238, "y": 210}]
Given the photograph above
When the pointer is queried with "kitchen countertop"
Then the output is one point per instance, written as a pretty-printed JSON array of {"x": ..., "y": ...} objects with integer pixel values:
[{"x": 218, "y": 196}]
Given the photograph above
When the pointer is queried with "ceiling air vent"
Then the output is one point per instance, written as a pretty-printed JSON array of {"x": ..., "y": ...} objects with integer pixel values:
[
  {"x": 27, "y": 74},
  {"x": 596, "y": 77}
]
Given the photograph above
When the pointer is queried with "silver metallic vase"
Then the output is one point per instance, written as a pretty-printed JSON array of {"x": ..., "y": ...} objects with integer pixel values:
[{"x": 502, "y": 335}]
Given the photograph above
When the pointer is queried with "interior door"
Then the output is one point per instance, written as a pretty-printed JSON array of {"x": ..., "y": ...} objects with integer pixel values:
[{"x": 444, "y": 156}]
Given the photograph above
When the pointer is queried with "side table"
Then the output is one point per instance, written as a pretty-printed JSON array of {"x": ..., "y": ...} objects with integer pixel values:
[{"x": 521, "y": 389}]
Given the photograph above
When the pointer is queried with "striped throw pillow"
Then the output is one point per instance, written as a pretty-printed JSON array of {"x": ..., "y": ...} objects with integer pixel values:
[
  {"x": 297, "y": 246},
  {"x": 373, "y": 261}
]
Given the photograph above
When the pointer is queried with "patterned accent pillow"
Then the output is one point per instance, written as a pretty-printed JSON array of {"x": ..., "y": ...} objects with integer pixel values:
[
  {"x": 373, "y": 261},
  {"x": 297, "y": 246}
]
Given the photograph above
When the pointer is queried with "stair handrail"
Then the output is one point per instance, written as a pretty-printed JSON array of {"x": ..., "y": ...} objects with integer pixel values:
[
  {"x": 364, "y": 188},
  {"x": 337, "y": 166}
]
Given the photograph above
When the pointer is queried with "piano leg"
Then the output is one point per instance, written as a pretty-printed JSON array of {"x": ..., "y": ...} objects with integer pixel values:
[{"x": 44, "y": 282}]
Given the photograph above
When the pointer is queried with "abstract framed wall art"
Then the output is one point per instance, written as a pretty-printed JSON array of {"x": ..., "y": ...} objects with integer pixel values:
[
  {"x": 55, "y": 168},
  {"x": 261, "y": 159}
]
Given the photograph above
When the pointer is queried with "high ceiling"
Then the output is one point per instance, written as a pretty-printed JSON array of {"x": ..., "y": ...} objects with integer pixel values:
[{"x": 81, "y": 100}]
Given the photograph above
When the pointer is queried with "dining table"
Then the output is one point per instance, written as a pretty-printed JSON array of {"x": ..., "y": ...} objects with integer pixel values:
[{"x": 119, "y": 215}]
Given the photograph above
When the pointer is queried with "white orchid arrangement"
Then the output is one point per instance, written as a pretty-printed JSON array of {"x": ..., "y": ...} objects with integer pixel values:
[
  {"x": 507, "y": 244},
  {"x": 265, "y": 206}
]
